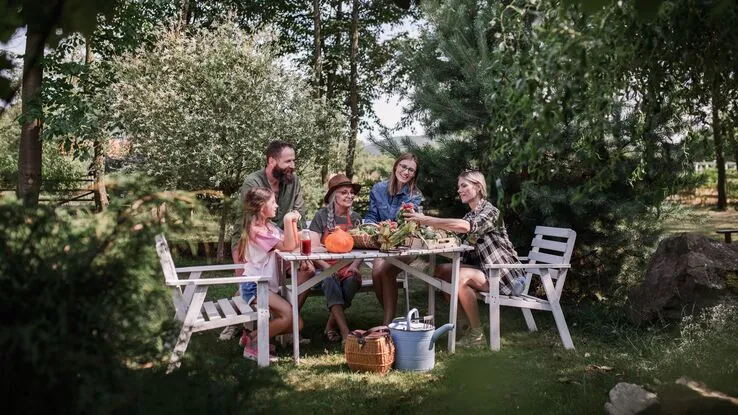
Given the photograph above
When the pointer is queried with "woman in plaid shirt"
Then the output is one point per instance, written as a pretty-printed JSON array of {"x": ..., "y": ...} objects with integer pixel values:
[{"x": 484, "y": 229}]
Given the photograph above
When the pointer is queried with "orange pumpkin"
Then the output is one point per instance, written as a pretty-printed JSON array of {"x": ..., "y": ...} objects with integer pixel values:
[{"x": 339, "y": 242}]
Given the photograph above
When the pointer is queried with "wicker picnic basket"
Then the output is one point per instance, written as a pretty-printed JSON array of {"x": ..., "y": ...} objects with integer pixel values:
[
  {"x": 365, "y": 241},
  {"x": 370, "y": 350}
]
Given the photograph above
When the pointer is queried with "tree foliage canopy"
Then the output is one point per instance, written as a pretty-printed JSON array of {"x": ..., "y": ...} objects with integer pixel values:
[
  {"x": 562, "y": 111},
  {"x": 201, "y": 108}
]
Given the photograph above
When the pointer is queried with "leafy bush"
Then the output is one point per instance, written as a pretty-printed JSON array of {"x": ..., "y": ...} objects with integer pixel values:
[
  {"x": 83, "y": 299},
  {"x": 59, "y": 170}
]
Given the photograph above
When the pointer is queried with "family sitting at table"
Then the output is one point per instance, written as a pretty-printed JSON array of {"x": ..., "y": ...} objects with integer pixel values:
[{"x": 273, "y": 199}]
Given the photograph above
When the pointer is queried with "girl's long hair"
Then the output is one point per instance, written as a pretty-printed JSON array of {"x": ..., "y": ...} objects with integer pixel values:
[
  {"x": 254, "y": 200},
  {"x": 394, "y": 184}
]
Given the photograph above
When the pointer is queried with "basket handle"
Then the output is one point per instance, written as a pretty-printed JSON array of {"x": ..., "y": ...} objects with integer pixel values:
[{"x": 362, "y": 335}]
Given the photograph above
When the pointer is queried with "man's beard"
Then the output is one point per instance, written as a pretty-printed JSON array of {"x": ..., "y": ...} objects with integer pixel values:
[{"x": 283, "y": 175}]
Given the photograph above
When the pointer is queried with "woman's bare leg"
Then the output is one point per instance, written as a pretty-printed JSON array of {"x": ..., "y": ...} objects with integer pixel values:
[
  {"x": 384, "y": 278},
  {"x": 471, "y": 280}
]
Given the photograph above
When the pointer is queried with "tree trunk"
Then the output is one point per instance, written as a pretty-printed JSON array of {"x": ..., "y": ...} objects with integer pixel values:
[
  {"x": 184, "y": 15},
  {"x": 98, "y": 148},
  {"x": 317, "y": 58},
  {"x": 716, "y": 104},
  {"x": 220, "y": 256},
  {"x": 29, "y": 154},
  {"x": 354, "y": 94}
]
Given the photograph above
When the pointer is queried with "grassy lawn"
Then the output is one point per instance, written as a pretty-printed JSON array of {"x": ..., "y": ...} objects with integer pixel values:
[{"x": 531, "y": 374}]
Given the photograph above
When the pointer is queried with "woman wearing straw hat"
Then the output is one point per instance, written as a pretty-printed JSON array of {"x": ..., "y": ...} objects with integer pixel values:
[{"x": 341, "y": 287}]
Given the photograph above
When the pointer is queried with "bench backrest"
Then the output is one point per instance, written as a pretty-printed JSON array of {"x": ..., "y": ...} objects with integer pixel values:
[
  {"x": 170, "y": 275},
  {"x": 552, "y": 246}
]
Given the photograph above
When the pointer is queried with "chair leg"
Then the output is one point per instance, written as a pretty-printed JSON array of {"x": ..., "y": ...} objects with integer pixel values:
[
  {"x": 198, "y": 296},
  {"x": 494, "y": 310},
  {"x": 406, "y": 285},
  {"x": 528, "y": 315},
  {"x": 262, "y": 310},
  {"x": 558, "y": 314},
  {"x": 563, "y": 328},
  {"x": 431, "y": 289},
  {"x": 179, "y": 349}
]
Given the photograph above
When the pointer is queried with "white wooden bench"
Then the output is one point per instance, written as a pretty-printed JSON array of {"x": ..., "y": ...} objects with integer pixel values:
[
  {"x": 548, "y": 259},
  {"x": 196, "y": 314}
]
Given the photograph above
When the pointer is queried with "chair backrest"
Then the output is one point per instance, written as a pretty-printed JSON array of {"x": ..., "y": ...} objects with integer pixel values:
[
  {"x": 165, "y": 259},
  {"x": 170, "y": 275},
  {"x": 552, "y": 246}
]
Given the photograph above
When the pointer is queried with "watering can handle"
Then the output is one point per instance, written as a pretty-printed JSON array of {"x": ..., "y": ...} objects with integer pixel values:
[{"x": 410, "y": 315}]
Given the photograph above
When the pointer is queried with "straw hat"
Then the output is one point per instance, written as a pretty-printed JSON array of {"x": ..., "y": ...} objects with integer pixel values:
[{"x": 337, "y": 181}]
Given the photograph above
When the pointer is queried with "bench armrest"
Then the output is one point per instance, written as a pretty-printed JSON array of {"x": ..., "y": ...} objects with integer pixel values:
[
  {"x": 209, "y": 268},
  {"x": 217, "y": 281},
  {"x": 530, "y": 266}
]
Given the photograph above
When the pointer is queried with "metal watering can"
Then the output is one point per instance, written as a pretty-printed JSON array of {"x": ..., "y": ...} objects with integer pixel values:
[{"x": 414, "y": 342}]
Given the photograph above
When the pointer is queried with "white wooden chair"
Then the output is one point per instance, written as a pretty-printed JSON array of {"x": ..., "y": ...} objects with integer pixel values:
[
  {"x": 548, "y": 259},
  {"x": 196, "y": 314}
]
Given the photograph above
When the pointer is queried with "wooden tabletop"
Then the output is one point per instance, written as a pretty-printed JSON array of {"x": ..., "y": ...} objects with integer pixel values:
[{"x": 321, "y": 253}]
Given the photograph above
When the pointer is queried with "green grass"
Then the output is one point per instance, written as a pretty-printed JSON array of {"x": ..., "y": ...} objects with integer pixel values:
[{"x": 531, "y": 374}]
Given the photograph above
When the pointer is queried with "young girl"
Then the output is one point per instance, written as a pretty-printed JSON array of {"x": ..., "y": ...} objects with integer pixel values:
[{"x": 259, "y": 239}]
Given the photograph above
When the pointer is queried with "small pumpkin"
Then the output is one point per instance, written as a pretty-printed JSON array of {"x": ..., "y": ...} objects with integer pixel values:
[{"x": 339, "y": 242}]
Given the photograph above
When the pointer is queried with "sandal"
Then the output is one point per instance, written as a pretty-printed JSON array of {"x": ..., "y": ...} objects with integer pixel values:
[{"x": 333, "y": 336}]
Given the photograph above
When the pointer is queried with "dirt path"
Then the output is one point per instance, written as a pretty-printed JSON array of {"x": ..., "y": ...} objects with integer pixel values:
[{"x": 704, "y": 221}]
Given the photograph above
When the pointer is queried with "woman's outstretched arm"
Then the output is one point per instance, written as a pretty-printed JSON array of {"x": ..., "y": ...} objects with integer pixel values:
[{"x": 448, "y": 224}]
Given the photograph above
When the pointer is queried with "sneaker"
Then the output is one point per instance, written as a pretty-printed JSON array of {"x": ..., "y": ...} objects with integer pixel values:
[
  {"x": 518, "y": 286},
  {"x": 474, "y": 337},
  {"x": 251, "y": 351},
  {"x": 462, "y": 325},
  {"x": 228, "y": 333},
  {"x": 245, "y": 337}
]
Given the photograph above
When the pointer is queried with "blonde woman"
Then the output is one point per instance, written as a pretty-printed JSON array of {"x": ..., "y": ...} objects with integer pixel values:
[{"x": 484, "y": 229}]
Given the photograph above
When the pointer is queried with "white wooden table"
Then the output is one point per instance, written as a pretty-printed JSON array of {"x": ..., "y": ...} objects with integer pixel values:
[{"x": 453, "y": 253}]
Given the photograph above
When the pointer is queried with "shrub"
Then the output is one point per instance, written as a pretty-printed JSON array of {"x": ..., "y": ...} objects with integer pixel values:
[{"x": 83, "y": 299}]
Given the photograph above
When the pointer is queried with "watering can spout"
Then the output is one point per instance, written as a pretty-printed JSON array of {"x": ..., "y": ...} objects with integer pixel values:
[{"x": 440, "y": 332}]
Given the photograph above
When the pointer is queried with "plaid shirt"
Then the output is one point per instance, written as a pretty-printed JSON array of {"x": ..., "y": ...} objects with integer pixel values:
[{"x": 489, "y": 236}]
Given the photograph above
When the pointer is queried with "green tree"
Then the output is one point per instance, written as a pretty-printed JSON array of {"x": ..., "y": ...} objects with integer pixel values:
[
  {"x": 352, "y": 74},
  {"x": 200, "y": 109},
  {"x": 59, "y": 168},
  {"x": 544, "y": 101},
  {"x": 45, "y": 23},
  {"x": 77, "y": 71}
]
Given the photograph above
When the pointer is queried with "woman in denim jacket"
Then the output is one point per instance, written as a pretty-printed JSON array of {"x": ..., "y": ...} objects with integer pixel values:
[{"x": 385, "y": 200}]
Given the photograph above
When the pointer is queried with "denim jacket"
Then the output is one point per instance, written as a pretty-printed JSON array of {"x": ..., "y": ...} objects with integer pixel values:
[{"x": 383, "y": 206}]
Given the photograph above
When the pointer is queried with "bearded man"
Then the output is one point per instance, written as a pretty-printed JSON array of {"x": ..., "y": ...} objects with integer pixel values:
[{"x": 278, "y": 175}]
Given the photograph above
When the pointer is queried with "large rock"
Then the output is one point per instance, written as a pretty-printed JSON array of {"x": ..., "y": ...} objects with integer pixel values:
[
  {"x": 687, "y": 271},
  {"x": 630, "y": 399}
]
